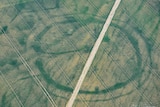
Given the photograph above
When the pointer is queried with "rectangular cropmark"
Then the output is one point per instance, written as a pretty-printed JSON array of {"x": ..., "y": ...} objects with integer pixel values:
[{"x": 92, "y": 54}]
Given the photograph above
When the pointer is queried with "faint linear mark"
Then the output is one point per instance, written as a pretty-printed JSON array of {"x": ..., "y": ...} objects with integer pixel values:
[
  {"x": 9, "y": 85},
  {"x": 31, "y": 72}
]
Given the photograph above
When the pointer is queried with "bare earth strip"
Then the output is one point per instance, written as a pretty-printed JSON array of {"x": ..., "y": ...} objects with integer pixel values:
[{"x": 93, "y": 53}]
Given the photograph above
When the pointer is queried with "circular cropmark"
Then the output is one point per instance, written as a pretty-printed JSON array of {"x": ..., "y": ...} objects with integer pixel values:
[{"x": 123, "y": 54}]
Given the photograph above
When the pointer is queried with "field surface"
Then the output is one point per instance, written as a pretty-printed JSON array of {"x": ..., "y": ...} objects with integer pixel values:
[{"x": 44, "y": 45}]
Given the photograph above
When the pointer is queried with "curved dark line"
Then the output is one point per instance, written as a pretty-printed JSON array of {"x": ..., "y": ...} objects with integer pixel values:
[
  {"x": 148, "y": 45},
  {"x": 116, "y": 86},
  {"x": 49, "y": 80},
  {"x": 98, "y": 100},
  {"x": 133, "y": 41}
]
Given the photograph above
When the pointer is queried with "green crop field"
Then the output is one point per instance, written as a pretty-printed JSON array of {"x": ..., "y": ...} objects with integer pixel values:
[{"x": 44, "y": 44}]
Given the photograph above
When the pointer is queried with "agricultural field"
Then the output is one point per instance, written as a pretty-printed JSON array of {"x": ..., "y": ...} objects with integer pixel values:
[{"x": 44, "y": 45}]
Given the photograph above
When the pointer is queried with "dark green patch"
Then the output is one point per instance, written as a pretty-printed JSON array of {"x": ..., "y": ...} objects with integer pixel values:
[
  {"x": 97, "y": 89},
  {"x": 87, "y": 48},
  {"x": 20, "y": 6},
  {"x": 2, "y": 62},
  {"x": 22, "y": 40},
  {"x": 14, "y": 62},
  {"x": 106, "y": 39},
  {"x": 57, "y": 3},
  {"x": 70, "y": 19},
  {"x": 3, "y": 101},
  {"x": 43, "y": 32},
  {"x": 84, "y": 10},
  {"x": 37, "y": 48},
  {"x": 4, "y": 29}
]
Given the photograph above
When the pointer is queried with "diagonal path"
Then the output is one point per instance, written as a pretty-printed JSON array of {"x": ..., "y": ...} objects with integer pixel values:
[{"x": 93, "y": 53}]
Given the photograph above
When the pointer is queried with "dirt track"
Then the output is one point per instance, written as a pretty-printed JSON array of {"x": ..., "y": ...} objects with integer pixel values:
[{"x": 93, "y": 53}]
